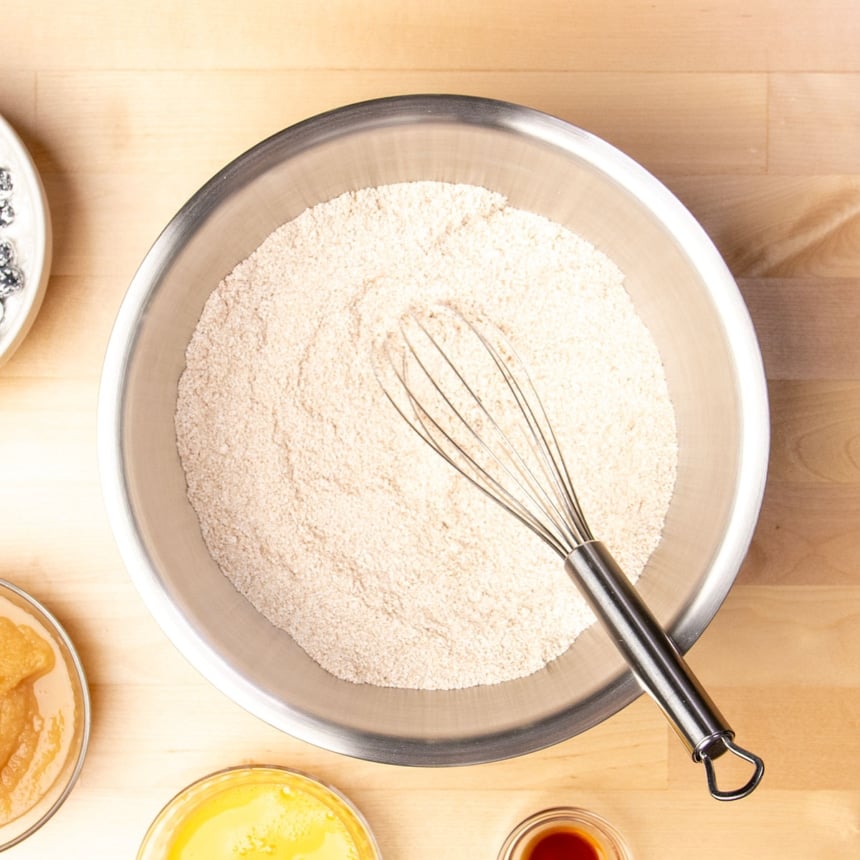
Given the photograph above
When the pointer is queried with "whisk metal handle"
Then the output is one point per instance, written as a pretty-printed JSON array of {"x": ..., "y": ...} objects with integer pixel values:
[{"x": 657, "y": 663}]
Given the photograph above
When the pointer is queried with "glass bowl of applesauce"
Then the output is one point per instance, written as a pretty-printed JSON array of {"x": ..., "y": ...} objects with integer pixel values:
[{"x": 44, "y": 715}]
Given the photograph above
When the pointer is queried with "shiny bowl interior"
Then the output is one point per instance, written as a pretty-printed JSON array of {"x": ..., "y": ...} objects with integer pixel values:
[{"x": 681, "y": 288}]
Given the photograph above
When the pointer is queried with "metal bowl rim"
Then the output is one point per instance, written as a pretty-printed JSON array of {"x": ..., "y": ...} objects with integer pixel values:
[{"x": 504, "y": 117}]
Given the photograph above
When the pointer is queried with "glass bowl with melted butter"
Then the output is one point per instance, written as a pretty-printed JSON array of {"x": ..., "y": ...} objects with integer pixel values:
[
  {"x": 259, "y": 812},
  {"x": 44, "y": 715}
]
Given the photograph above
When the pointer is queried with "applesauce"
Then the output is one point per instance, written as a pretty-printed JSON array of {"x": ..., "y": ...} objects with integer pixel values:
[{"x": 43, "y": 715}]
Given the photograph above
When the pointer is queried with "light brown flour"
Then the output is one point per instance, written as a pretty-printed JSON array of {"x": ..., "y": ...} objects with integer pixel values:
[{"x": 330, "y": 515}]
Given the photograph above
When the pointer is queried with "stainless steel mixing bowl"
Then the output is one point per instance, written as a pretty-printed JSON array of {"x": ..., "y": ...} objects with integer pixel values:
[{"x": 681, "y": 288}]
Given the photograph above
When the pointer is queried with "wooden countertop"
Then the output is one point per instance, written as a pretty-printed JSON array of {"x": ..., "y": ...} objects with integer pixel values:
[{"x": 749, "y": 110}]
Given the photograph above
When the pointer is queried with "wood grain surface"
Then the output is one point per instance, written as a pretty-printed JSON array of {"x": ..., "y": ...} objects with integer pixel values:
[{"x": 749, "y": 110}]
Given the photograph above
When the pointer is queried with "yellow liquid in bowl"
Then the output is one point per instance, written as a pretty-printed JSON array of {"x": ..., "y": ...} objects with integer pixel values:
[{"x": 258, "y": 813}]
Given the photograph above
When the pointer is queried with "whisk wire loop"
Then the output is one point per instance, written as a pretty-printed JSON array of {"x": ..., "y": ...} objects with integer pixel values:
[
  {"x": 421, "y": 418},
  {"x": 564, "y": 500},
  {"x": 537, "y": 491},
  {"x": 507, "y": 454}
]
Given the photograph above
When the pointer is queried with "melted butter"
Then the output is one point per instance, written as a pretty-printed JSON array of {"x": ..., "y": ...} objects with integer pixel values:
[{"x": 266, "y": 821}]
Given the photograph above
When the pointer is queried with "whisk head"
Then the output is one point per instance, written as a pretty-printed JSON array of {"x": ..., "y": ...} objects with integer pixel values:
[{"x": 462, "y": 387}]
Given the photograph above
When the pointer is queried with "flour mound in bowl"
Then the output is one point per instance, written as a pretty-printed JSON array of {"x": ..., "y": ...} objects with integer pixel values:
[{"x": 332, "y": 517}]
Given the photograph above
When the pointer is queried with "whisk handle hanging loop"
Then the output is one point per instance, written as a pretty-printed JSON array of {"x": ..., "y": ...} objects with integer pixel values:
[{"x": 657, "y": 664}]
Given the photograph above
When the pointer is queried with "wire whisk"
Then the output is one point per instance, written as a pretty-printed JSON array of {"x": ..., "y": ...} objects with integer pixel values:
[{"x": 493, "y": 428}]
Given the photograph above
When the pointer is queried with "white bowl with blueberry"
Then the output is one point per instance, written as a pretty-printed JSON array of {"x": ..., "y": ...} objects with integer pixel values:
[{"x": 25, "y": 241}]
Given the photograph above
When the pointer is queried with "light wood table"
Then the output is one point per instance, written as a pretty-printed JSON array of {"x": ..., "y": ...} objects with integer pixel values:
[{"x": 749, "y": 110}]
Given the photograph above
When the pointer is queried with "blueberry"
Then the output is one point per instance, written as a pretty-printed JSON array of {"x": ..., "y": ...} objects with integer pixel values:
[
  {"x": 7, "y": 213},
  {"x": 11, "y": 281},
  {"x": 7, "y": 253}
]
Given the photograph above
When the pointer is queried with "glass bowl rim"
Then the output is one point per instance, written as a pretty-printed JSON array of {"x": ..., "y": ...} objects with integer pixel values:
[{"x": 225, "y": 772}]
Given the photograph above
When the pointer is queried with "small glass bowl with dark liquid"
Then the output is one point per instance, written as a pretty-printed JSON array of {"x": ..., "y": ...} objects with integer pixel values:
[{"x": 564, "y": 833}]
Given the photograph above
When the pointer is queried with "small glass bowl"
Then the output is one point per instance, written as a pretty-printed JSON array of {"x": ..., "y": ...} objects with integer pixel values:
[
  {"x": 190, "y": 804},
  {"x": 65, "y": 681},
  {"x": 604, "y": 838}
]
